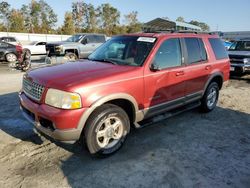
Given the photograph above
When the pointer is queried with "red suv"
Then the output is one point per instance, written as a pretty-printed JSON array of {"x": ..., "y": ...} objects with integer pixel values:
[{"x": 128, "y": 81}]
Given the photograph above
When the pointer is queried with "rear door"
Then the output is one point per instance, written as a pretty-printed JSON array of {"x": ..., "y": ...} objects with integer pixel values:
[
  {"x": 198, "y": 68},
  {"x": 3, "y": 49}
]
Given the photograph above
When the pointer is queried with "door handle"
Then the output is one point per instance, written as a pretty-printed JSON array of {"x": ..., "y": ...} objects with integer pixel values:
[
  {"x": 208, "y": 67},
  {"x": 179, "y": 73}
]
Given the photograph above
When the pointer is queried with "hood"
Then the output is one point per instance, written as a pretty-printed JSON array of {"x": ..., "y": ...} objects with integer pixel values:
[
  {"x": 62, "y": 43},
  {"x": 72, "y": 74},
  {"x": 239, "y": 53}
]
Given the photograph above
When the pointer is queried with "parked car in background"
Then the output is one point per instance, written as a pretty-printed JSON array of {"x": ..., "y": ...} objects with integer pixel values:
[
  {"x": 36, "y": 48},
  {"x": 239, "y": 54},
  {"x": 76, "y": 47},
  {"x": 131, "y": 80},
  {"x": 11, "y": 40},
  {"x": 10, "y": 52}
]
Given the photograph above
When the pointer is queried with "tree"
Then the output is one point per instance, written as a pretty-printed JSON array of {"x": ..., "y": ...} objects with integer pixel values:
[
  {"x": 202, "y": 25},
  {"x": 132, "y": 23},
  {"x": 16, "y": 21},
  {"x": 68, "y": 27},
  {"x": 5, "y": 13},
  {"x": 180, "y": 19},
  {"x": 91, "y": 17},
  {"x": 79, "y": 9},
  {"x": 109, "y": 18},
  {"x": 48, "y": 17},
  {"x": 39, "y": 17}
]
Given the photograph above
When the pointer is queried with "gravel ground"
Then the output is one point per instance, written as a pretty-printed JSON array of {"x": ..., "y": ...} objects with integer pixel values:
[{"x": 189, "y": 150}]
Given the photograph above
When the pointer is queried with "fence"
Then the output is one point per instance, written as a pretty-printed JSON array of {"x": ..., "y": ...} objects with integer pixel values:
[{"x": 28, "y": 37}]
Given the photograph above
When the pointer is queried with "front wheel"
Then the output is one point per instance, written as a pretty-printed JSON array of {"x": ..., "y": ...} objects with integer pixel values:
[
  {"x": 70, "y": 56},
  {"x": 106, "y": 130},
  {"x": 210, "y": 98}
]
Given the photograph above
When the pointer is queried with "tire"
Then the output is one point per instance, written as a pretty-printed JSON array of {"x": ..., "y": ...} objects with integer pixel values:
[
  {"x": 11, "y": 57},
  {"x": 71, "y": 56},
  {"x": 26, "y": 65},
  {"x": 27, "y": 54},
  {"x": 106, "y": 130},
  {"x": 210, "y": 98}
]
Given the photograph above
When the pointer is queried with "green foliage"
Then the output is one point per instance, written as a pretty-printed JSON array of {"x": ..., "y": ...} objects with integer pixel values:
[
  {"x": 16, "y": 21},
  {"x": 109, "y": 18},
  {"x": 39, "y": 17},
  {"x": 180, "y": 19},
  {"x": 5, "y": 14},
  {"x": 202, "y": 25},
  {"x": 68, "y": 27},
  {"x": 132, "y": 23}
]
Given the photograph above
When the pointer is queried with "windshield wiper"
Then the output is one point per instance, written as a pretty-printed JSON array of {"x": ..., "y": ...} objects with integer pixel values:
[{"x": 104, "y": 60}]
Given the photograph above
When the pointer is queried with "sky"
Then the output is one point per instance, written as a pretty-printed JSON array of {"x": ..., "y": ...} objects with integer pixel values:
[{"x": 221, "y": 15}]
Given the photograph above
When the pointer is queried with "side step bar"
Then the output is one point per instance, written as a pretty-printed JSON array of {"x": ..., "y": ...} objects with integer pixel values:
[{"x": 167, "y": 115}]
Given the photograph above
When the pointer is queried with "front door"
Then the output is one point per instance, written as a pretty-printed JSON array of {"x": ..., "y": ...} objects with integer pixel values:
[{"x": 165, "y": 83}]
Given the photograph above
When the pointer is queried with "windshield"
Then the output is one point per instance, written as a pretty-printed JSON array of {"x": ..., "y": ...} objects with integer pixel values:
[
  {"x": 75, "y": 38},
  {"x": 240, "y": 46},
  {"x": 124, "y": 50}
]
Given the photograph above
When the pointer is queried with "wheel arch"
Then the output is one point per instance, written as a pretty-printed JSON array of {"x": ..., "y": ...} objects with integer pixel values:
[
  {"x": 123, "y": 100},
  {"x": 215, "y": 77},
  {"x": 72, "y": 50}
]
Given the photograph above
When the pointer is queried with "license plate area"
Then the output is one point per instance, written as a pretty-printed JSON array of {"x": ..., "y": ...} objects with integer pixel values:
[{"x": 232, "y": 68}]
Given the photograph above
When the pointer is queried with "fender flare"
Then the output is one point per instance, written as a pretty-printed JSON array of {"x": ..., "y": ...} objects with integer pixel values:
[
  {"x": 103, "y": 100},
  {"x": 210, "y": 79}
]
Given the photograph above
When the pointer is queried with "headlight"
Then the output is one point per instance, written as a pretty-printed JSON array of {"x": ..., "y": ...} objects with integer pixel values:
[
  {"x": 62, "y": 99},
  {"x": 246, "y": 60}
]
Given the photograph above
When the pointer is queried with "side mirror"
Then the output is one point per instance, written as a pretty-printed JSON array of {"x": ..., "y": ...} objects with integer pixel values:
[{"x": 154, "y": 67}]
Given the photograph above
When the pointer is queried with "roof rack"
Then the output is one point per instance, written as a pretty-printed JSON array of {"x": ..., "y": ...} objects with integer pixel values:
[{"x": 180, "y": 31}]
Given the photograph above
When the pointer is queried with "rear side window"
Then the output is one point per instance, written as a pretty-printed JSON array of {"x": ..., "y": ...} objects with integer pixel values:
[
  {"x": 196, "y": 50},
  {"x": 218, "y": 48},
  {"x": 99, "y": 39}
]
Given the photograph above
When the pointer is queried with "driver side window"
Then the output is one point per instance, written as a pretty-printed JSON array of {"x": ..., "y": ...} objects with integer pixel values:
[{"x": 168, "y": 54}]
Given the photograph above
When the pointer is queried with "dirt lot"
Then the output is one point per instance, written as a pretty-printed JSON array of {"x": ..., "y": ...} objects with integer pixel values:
[{"x": 189, "y": 150}]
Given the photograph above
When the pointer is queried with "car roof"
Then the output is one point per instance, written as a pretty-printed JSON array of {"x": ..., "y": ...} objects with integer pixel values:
[
  {"x": 177, "y": 34},
  {"x": 8, "y": 37}
]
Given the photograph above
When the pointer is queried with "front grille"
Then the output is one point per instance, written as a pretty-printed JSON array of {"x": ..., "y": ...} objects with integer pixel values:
[{"x": 32, "y": 89}]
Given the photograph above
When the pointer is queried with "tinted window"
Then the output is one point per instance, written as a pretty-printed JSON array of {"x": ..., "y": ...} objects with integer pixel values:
[
  {"x": 99, "y": 39},
  {"x": 203, "y": 50},
  {"x": 218, "y": 48},
  {"x": 4, "y": 45},
  {"x": 169, "y": 54},
  {"x": 91, "y": 38},
  {"x": 240, "y": 46},
  {"x": 41, "y": 43},
  {"x": 196, "y": 50}
]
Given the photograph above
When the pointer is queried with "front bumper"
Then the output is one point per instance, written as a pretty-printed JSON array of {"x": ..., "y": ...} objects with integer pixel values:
[
  {"x": 61, "y": 125},
  {"x": 240, "y": 68}
]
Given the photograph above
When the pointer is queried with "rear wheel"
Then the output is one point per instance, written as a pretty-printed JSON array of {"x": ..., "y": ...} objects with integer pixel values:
[
  {"x": 11, "y": 57},
  {"x": 106, "y": 130},
  {"x": 210, "y": 98}
]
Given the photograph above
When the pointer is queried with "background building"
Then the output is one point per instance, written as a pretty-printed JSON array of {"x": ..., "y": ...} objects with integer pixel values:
[{"x": 159, "y": 24}]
